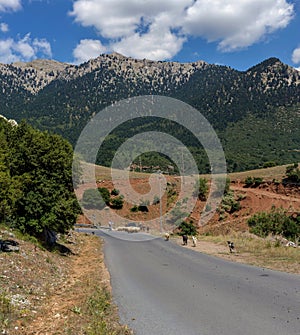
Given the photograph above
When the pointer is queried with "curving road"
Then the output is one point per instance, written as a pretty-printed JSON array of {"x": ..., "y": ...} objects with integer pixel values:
[{"x": 163, "y": 288}]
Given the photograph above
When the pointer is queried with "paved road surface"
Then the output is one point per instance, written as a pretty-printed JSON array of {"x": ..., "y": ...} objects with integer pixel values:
[{"x": 165, "y": 289}]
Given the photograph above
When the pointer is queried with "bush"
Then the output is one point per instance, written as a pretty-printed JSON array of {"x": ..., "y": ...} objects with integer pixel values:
[
  {"x": 134, "y": 209},
  {"x": 253, "y": 181},
  {"x": 277, "y": 222},
  {"x": 292, "y": 174},
  {"x": 143, "y": 208},
  {"x": 201, "y": 189},
  {"x": 177, "y": 215},
  {"x": 144, "y": 202},
  {"x": 92, "y": 200},
  {"x": 117, "y": 203},
  {"x": 187, "y": 228},
  {"x": 269, "y": 164},
  {"x": 230, "y": 204},
  {"x": 248, "y": 181},
  {"x": 105, "y": 194},
  {"x": 115, "y": 192},
  {"x": 257, "y": 181},
  {"x": 156, "y": 200}
]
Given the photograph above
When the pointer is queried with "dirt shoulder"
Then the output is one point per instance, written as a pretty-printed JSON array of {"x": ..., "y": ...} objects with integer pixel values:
[
  {"x": 249, "y": 249},
  {"x": 48, "y": 293}
]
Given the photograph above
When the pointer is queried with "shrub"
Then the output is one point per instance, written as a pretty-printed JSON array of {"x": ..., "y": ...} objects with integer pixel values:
[
  {"x": 253, "y": 181},
  {"x": 156, "y": 200},
  {"x": 269, "y": 164},
  {"x": 115, "y": 192},
  {"x": 230, "y": 204},
  {"x": 143, "y": 208},
  {"x": 177, "y": 215},
  {"x": 257, "y": 181},
  {"x": 117, "y": 203},
  {"x": 134, "y": 209},
  {"x": 201, "y": 189},
  {"x": 91, "y": 199},
  {"x": 187, "y": 228},
  {"x": 292, "y": 174},
  {"x": 248, "y": 181},
  {"x": 222, "y": 186},
  {"x": 105, "y": 194},
  {"x": 277, "y": 222}
]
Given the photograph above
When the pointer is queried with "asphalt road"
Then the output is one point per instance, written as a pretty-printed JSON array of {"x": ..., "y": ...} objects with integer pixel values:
[{"x": 163, "y": 288}]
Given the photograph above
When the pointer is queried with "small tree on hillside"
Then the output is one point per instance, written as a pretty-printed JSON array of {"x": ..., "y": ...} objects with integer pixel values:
[
  {"x": 91, "y": 199},
  {"x": 117, "y": 203},
  {"x": 187, "y": 228},
  {"x": 292, "y": 174},
  {"x": 105, "y": 194},
  {"x": 201, "y": 189}
]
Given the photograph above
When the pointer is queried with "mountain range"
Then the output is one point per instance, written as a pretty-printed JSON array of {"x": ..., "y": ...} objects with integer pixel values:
[{"x": 255, "y": 112}]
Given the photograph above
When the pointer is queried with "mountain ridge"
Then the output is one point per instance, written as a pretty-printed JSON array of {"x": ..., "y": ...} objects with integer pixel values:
[
  {"x": 47, "y": 70},
  {"x": 62, "y": 97}
]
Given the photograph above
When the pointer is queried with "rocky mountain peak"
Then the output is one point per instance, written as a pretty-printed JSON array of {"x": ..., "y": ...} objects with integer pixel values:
[
  {"x": 158, "y": 76},
  {"x": 272, "y": 73},
  {"x": 32, "y": 76}
]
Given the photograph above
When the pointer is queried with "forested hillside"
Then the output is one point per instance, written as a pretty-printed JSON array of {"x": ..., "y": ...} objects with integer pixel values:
[{"x": 255, "y": 112}]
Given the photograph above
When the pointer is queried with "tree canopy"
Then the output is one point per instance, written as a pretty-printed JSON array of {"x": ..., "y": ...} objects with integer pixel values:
[{"x": 36, "y": 190}]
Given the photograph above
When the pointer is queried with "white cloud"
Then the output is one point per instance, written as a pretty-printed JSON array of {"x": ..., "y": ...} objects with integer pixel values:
[
  {"x": 157, "y": 29},
  {"x": 157, "y": 44},
  {"x": 4, "y": 27},
  {"x": 6, "y": 5},
  {"x": 296, "y": 56},
  {"x": 42, "y": 46},
  {"x": 237, "y": 24},
  {"x": 24, "y": 49},
  {"x": 119, "y": 18},
  {"x": 88, "y": 49}
]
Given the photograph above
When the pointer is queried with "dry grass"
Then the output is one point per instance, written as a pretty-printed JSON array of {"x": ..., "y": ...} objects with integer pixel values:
[
  {"x": 250, "y": 249},
  {"x": 46, "y": 293},
  {"x": 268, "y": 174}
]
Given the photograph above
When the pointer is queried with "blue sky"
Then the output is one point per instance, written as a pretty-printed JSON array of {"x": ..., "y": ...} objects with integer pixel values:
[{"x": 237, "y": 33}]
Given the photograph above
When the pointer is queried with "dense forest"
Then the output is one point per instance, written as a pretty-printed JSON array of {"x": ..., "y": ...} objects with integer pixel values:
[
  {"x": 36, "y": 189},
  {"x": 255, "y": 112}
]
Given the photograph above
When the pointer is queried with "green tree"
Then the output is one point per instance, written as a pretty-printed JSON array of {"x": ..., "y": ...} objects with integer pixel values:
[
  {"x": 40, "y": 170},
  {"x": 276, "y": 222},
  {"x": 105, "y": 194},
  {"x": 92, "y": 200},
  {"x": 187, "y": 228},
  {"x": 201, "y": 189},
  {"x": 117, "y": 202},
  {"x": 77, "y": 170},
  {"x": 292, "y": 174},
  {"x": 115, "y": 192}
]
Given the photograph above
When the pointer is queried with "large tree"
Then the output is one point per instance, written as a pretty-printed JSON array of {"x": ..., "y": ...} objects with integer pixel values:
[{"x": 38, "y": 165}]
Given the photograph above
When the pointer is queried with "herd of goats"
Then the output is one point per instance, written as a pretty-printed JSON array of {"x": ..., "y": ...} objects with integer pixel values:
[{"x": 133, "y": 229}]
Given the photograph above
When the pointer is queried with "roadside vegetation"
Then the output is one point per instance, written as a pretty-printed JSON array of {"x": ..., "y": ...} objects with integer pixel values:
[
  {"x": 36, "y": 188},
  {"x": 269, "y": 252},
  {"x": 277, "y": 221},
  {"x": 43, "y": 292}
]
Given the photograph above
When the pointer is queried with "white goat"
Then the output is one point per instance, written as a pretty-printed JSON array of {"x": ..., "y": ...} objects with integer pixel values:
[{"x": 194, "y": 239}]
